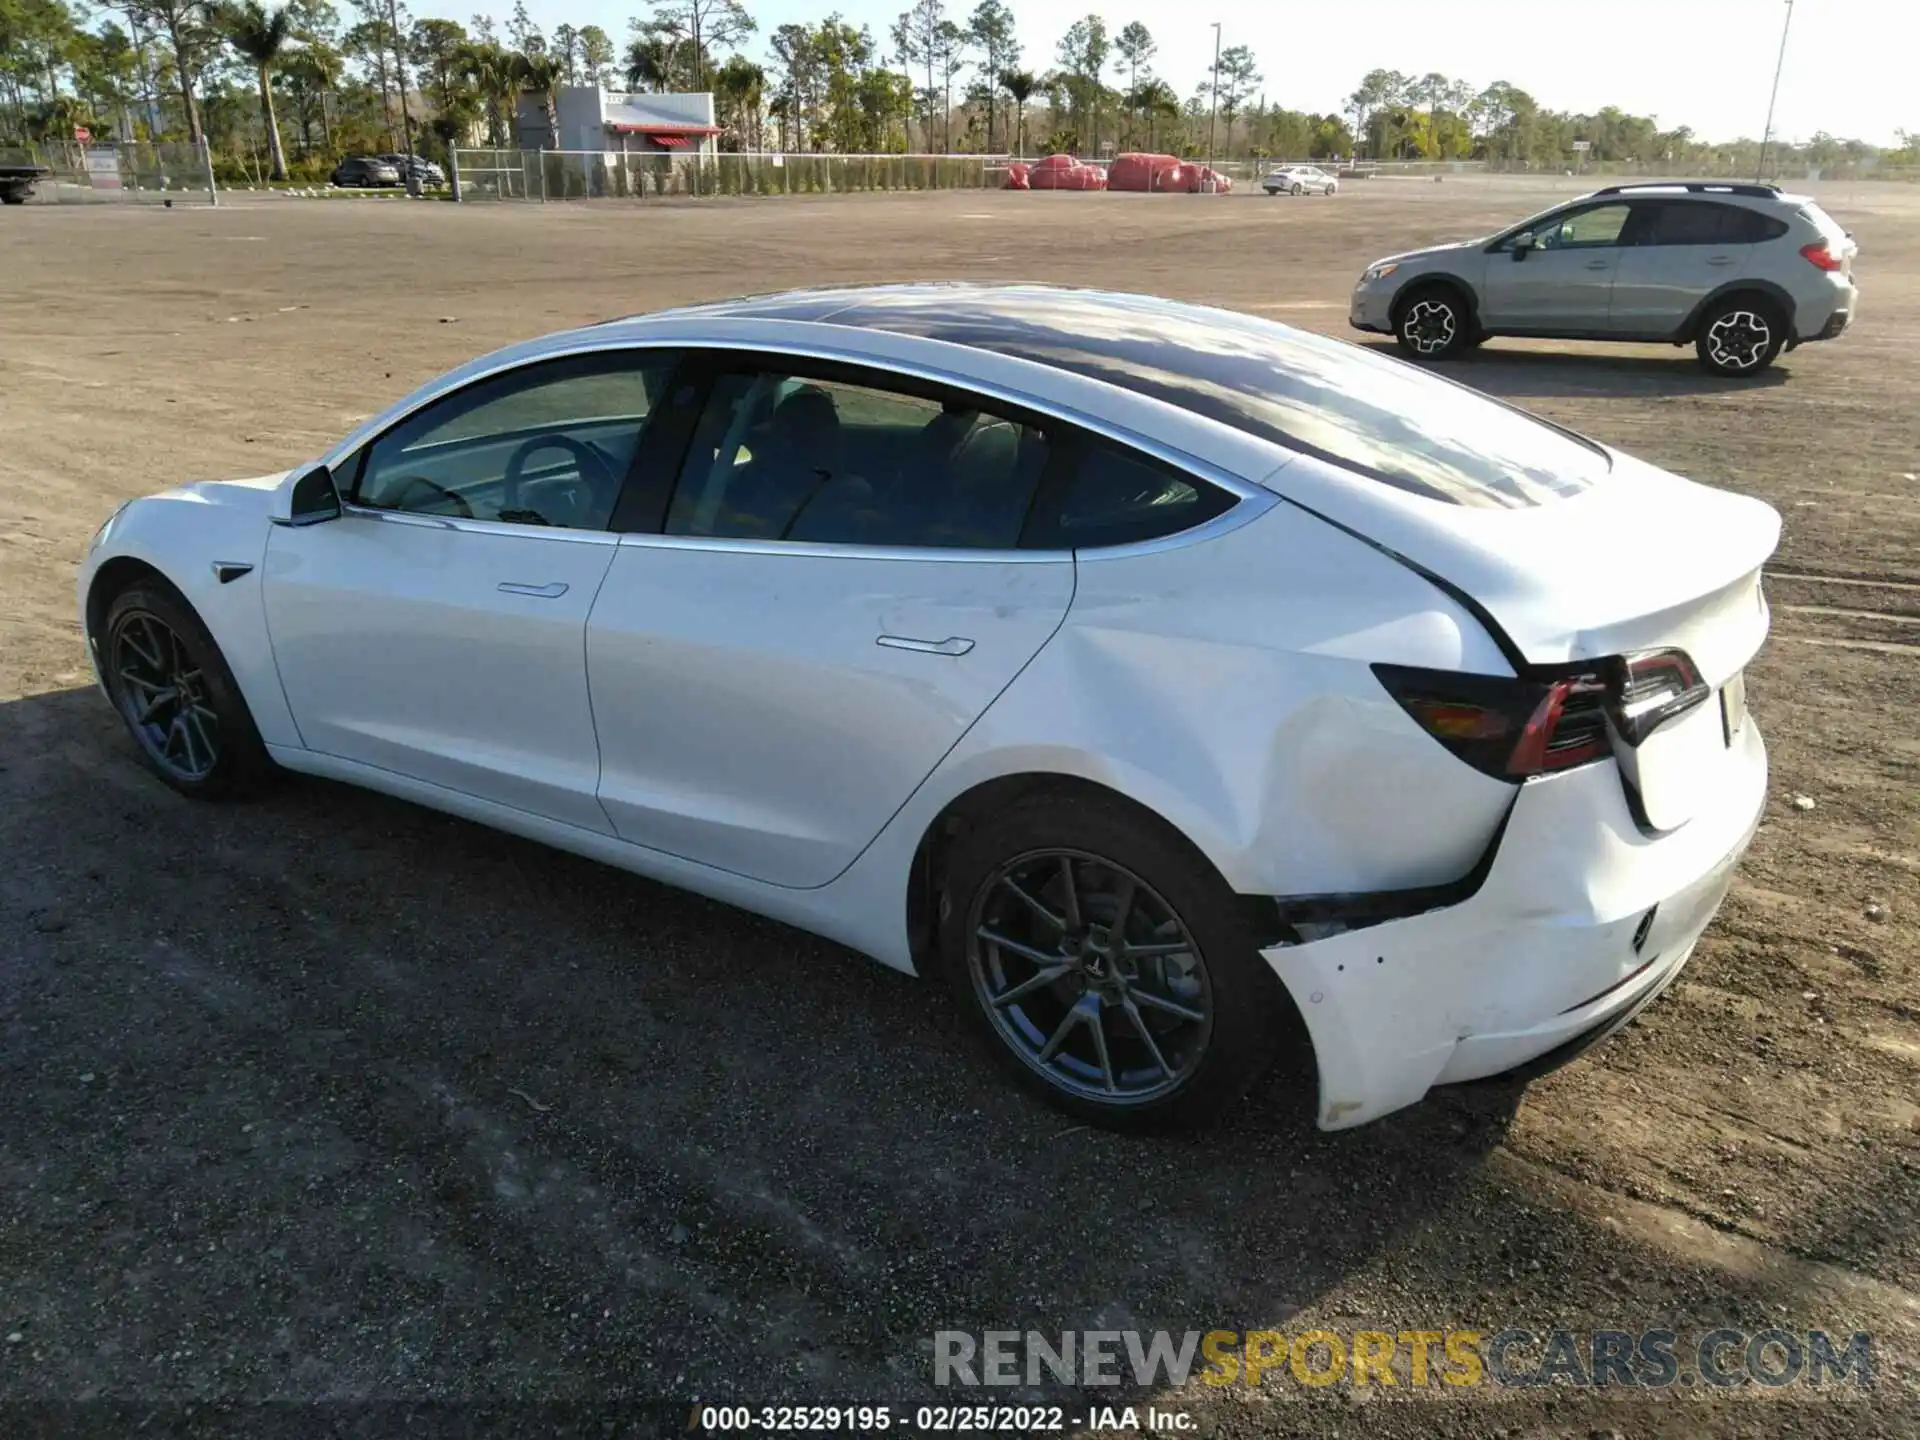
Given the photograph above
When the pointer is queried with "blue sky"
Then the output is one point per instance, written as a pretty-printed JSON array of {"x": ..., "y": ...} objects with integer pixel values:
[{"x": 1703, "y": 63}]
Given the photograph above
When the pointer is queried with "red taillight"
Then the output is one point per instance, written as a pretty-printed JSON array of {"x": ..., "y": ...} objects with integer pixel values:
[
  {"x": 1819, "y": 254},
  {"x": 1516, "y": 728},
  {"x": 1508, "y": 728}
]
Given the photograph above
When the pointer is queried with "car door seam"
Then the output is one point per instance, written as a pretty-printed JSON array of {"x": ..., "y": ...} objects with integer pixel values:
[
  {"x": 1073, "y": 589},
  {"x": 273, "y": 647},
  {"x": 586, "y": 666}
]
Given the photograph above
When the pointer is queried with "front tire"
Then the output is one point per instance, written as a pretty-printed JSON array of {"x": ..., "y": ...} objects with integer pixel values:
[
  {"x": 1433, "y": 323},
  {"x": 1740, "y": 336},
  {"x": 179, "y": 700},
  {"x": 1107, "y": 965}
]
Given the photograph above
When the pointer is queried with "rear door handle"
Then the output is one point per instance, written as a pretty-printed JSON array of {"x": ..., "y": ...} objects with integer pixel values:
[
  {"x": 1719, "y": 260},
  {"x": 1598, "y": 264},
  {"x": 539, "y": 592},
  {"x": 952, "y": 645}
]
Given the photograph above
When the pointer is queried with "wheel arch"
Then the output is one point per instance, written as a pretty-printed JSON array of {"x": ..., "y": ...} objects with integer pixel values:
[
  {"x": 113, "y": 578},
  {"x": 211, "y": 560},
  {"x": 1443, "y": 280},
  {"x": 1773, "y": 292},
  {"x": 1291, "y": 1040},
  {"x": 927, "y": 876}
]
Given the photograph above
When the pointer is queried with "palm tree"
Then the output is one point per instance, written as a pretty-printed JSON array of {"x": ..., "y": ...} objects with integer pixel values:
[
  {"x": 259, "y": 37},
  {"x": 1154, "y": 99},
  {"x": 1020, "y": 85},
  {"x": 541, "y": 75},
  {"x": 650, "y": 63},
  {"x": 739, "y": 93},
  {"x": 316, "y": 70},
  {"x": 491, "y": 70}
]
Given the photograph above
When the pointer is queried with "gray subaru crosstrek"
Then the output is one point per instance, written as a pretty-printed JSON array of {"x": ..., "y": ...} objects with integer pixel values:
[{"x": 1739, "y": 271}]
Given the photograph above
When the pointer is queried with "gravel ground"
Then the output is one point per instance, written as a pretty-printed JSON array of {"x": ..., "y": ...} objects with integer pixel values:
[{"x": 396, "y": 1123}]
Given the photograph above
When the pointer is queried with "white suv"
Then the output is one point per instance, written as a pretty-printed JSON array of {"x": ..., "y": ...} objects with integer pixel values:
[{"x": 1741, "y": 272}]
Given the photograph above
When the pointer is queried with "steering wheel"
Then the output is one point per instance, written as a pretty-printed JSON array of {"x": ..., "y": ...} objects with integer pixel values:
[
  {"x": 398, "y": 502},
  {"x": 593, "y": 468}
]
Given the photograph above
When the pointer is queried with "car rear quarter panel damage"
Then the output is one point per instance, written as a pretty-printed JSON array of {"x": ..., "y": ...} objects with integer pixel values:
[{"x": 1225, "y": 685}]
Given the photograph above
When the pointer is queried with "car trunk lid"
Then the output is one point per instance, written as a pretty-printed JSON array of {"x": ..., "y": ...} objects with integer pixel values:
[{"x": 1640, "y": 562}]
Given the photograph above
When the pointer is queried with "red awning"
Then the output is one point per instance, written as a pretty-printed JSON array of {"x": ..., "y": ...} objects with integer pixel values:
[
  {"x": 671, "y": 142},
  {"x": 653, "y": 127}
]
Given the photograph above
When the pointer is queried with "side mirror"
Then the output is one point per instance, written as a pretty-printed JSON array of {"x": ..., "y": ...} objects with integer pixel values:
[
  {"x": 1522, "y": 245},
  {"x": 306, "y": 497}
]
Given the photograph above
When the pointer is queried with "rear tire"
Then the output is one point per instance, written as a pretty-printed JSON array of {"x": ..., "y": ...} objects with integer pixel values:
[
  {"x": 1159, "y": 1021},
  {"x": 177, "y": 697},
  {"x": 1740, "y": 336},
  {"x": 1433, "y": 323},
  {"x": 1298, "y": 188}
]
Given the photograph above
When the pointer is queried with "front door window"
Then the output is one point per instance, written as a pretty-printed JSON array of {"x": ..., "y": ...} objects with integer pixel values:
[
  {"x": 1585, "y": 229},
  {"x": 549, "y": 445}
]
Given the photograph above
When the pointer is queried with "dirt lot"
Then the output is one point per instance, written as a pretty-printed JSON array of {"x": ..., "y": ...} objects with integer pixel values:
[{"x": 330, "y": 1099}]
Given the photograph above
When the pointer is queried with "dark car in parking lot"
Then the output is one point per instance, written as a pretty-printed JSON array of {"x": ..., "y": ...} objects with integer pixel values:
[
  {"x": 365, "y": 171},
  {"x": 421, "y": 168},
  {"x": 17, "y": 181}
]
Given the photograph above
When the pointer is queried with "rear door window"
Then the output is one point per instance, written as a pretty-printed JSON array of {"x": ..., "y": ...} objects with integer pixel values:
[
  {"x": 785, "y": 455},
  {"x": 1679, "y": 222},
  {"x": 1699, "y": 222}
]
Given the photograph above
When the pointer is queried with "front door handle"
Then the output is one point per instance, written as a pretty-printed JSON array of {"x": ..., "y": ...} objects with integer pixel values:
[
  {"x": 952, "y": 645},
  {"x": 539, "y": 592},
  {"x": 1719, "y": 260},
  {"x": 1598, "y": 264}
]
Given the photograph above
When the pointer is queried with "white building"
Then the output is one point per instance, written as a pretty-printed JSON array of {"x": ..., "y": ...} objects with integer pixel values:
[{"x": 620, "y": 124}]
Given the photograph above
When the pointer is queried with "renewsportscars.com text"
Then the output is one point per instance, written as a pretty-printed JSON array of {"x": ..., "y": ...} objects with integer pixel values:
[{"x": 1517, "y": 1357}]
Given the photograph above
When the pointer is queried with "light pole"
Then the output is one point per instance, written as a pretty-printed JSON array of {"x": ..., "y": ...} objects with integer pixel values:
[
  {"x": 1214, "y": 109},
  {"x": 1778, "y": 65}
]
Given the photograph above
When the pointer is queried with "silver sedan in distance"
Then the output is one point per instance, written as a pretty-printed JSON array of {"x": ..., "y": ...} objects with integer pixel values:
[{"x": 1299, "y": 180}]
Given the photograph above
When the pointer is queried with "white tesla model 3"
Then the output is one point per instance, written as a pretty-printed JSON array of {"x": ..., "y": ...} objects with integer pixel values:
[{"x": 1147, "y": 672}]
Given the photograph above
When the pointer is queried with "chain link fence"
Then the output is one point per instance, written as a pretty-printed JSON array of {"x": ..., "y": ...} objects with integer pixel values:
[
  {"x": 124, "y": 171},
  {"x": 612, "y": 174}
]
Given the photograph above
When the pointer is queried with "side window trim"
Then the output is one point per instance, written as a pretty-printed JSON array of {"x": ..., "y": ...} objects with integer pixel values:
[{"x": 484, "y": 388}]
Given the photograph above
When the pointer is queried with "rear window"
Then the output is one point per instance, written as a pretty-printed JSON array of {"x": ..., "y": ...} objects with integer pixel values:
[
  {"x": 1751, "y": 227},
  {"x": 1342, "y": 403},
  {"x": 1116, "y": 497}
]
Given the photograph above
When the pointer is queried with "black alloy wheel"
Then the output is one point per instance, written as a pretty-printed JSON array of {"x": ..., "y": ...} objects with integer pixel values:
[
  {"x": 177, "y": 696},
  {"x": 1106, "y": 963},
  {"x": 1089, "y": 976}
]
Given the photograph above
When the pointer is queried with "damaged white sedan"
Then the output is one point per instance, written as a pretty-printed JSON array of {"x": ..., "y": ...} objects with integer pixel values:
[{"x": 1150, "y": 674}]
